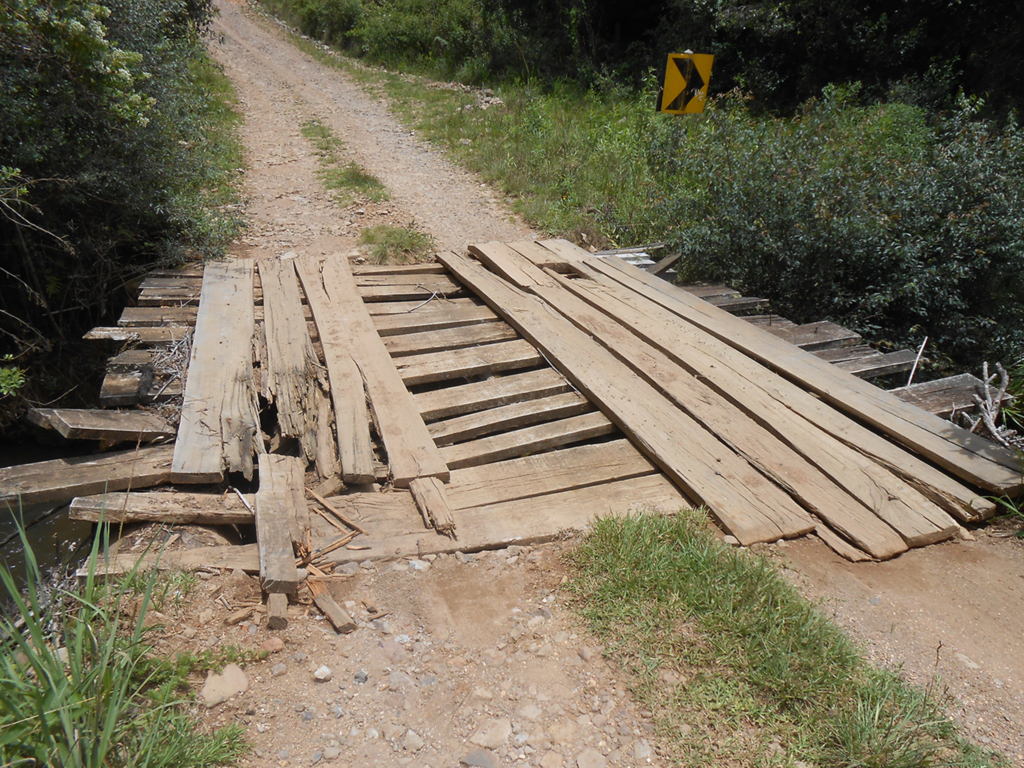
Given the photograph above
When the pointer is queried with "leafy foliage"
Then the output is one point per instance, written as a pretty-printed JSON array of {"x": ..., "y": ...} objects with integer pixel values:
[{"x": 108, "y": 155}]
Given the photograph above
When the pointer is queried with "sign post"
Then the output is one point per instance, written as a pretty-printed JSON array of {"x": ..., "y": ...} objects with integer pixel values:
[{"x": 685, "y": 87}]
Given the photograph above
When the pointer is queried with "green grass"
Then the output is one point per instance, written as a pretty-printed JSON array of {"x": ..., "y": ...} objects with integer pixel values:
[
  {"x": 348, "y": 181},
  {"x": 736, "y": 666},
  {"x": 79, "y": 688},
  {"x": 396, "y": 245}
]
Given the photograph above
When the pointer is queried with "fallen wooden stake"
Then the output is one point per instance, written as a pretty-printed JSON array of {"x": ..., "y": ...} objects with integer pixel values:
[
  {"x": 432, "y": 502},
  {"x": 335, "y": 614},
  {"x": 277, "y": 610}
]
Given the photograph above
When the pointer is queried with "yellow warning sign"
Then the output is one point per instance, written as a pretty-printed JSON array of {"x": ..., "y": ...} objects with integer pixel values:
[{"x": 685, "y": 87}]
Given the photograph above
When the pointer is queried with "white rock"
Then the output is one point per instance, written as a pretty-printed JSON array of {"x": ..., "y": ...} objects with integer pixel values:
[
  {"x": 323, "y": 674},
  {"x": 492, "y": 733},
  {"x": 220, "y": 688}
]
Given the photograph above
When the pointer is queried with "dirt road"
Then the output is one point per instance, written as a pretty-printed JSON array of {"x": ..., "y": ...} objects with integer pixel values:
[{"x": 477, "y": 660}]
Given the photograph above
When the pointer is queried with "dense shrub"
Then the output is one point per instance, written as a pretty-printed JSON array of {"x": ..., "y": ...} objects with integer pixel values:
[
  {"x": 897, "y": 224},
  {"x": 106, "y": 155}
]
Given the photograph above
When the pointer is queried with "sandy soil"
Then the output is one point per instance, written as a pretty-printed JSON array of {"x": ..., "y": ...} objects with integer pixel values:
[{"x": 476, "y": 659}]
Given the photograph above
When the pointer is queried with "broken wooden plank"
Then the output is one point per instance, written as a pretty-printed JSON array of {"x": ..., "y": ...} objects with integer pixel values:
[
  {"x": 432, "y": 502},
  {"x": 119, "y": 426},
  {"x": 738, "y": 305},
  {"x": 166, "y": 334},
  {"x": 494, "y": 392},
  {"x": 464, "y": 363},
  {"x": 131, "y": 360},
  {"x": 352, "y": 419},
  {"x": 448, "y": 339},
  {"x": 969, "y": 457},
  {"x": 291, "y": 375},
  {"x": 505, "y": 417},
  {"x": 219, "y": 428},
  {"x": 435, "y": 318},
  {"x": 137, "y": 387},
  {"x": 162, "y": 507},
  {"x": 535, "y": 439},
  {"x": 277, "y": 611},
  {"x": 411, "y": 451},
  {"x": 168, "y": 297},
  {"x": 744, "y": 501},
  {"x": 334, "y": 613},
  {"x": 815, "y": 336},
  {"x": 60, "y": 480},
  {"x": 276, "y": 523},
  {"x": 546, "y": 473}
]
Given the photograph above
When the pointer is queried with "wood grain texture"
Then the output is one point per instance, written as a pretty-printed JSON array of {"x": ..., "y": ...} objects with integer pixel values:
[
  {"x": 432, "y": 501},
  {"x": 172, "y": 508},
  {"x": 507, "y": 417},
  {"x": 448, "y": 339},
  {"x": 462, "y": 363},
  {"x": 219, "y": 427},
  {"x": 276, "y": 523},
  {"x": 490, "y": 393},
  {"x": 431, "y": 318},
  {"x": 77, "y": 424}
]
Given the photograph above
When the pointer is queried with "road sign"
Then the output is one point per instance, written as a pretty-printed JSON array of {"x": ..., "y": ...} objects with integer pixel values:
[{"x": 685, "y": 87}]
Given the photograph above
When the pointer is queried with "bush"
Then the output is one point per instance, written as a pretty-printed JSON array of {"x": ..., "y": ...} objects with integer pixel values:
[
  {"x": 880, "y": 217},
  {"x": 108, "y": 154}
]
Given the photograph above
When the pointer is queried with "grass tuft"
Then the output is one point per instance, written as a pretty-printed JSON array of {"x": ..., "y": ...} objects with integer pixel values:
[
  {"x": 348, "y": 181},
  {"x": 736, "y": 665},
  {"x": 83, "y": 692},
  {"x": 396, "y": 245}
]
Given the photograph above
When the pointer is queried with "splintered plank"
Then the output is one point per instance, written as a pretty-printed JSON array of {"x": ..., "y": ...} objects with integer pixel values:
[
  {"x": 442, "y": 316},
  {"x": 352, "y": 419},
  {"x": 744, "y": 501},
  {"x": 536, "y": 439},
  {"x": 243, "y": 557},
  {"x": 411, "y": 451},
  {"x": 335, "y": 614},
  {"x": 505, "y": 417},
  {"x": 447, "y": 339},
  {"x": 60, "y": 480},
  {"x": 835, "y": 482},
  {"x": 432, "y": 501},
  {"x": 462, "y": 363},
  {"x": 163, "y": 507},
  {"x": 166, "y": 334},
  {"x": 967, "y": 456},
  {"x": 219, "y": 426},
  {"x": 523, "y": 521},
  {"x": 552, "y": 472},
  {"x": 76, "y": 424},
  {"x": 291, "y": 375},
  {"x": 492, "y": 393},
  {"x": 276, "y": 522}
]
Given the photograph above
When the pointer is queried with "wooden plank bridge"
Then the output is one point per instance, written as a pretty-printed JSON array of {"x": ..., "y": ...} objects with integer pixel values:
[{"x": 500, "y": 396}]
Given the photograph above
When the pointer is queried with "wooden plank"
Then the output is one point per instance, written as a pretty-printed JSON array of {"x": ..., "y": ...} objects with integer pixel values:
[
  {"x": 969, "y": 457},
  {"x": 846, "y": 354},
  {"x": 168, "y": 297},
  {"x": 163, "y": 507},
  {"x": 880, "y": 364},
  {"x": 334, "y": 613},
  {"x": 243, "y": 557},
  {"x": 448, "y": 339},
  {"x": 60, "y": 480},
  {"x": 432, "y": 318},
  {"x": 383, "y": 308},
  {"x": 277, "y": 611},
  {"x": 411, "y": 451},
  {"x": 565, "y": 252},
  {"x": 77, "y": 424},
  {"x": 163, "y": 335},
  {"x": 491, "y": 393},
  {"x": 275, "y": 521},
  {"x": 663, "y": 264},
  {"x": 814, "y": 336},
  {"x": 220, "y": 426},
  {"x": 193, "y": 282},
  {"x": 505, "y": 417},
  {"x": 438, "y": 286},
  {"x": 153, "y": 316},
  {"x": 739, "y": 305},
  {"x": 743, "y": 500},
  {"x": 464, "y": 363},
  {"x": 137, "y": 387},
  {"x": 942, "y": 396},
  {"x": 432, "y": 502},
  {"x": 766, "y": 321},
  {"x": 546, "y": 473},
  {"x": 523, "y": 521},
  {"x": 131, "y": 360},
  {"x": 352, "y": 419},
  {"x": 839, "y": 485},
  {"x": 535, "y": 439},
  {"x": 291, "y": 375},
  {"x": 710, "y": 291},
  {"x": 508, "y": 263},
  {"x": 360, "y": 271},
  {"x": 536, "y": 254}
]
